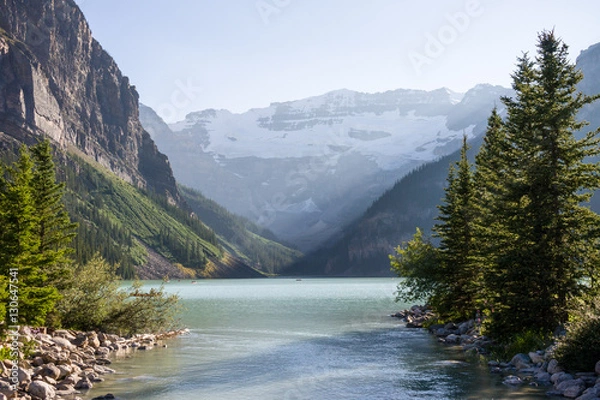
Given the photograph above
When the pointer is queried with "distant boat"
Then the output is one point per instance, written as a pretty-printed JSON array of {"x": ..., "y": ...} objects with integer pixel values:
[
  {"x": 298, "y": 280},
  {"x": 194, "y": 282}
]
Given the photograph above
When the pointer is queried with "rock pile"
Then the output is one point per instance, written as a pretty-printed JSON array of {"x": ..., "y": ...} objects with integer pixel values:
[
  {"x": 535, "y": 368},
  {"x": 539, "y": 369},
  {"x": 66, "y": 363}
]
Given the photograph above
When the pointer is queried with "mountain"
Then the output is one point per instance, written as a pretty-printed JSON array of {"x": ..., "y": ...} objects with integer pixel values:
[
  {"x": 306, "y": 168},
  {"x": 364, "y": 247},
  {"x": 56, "y": 81}
]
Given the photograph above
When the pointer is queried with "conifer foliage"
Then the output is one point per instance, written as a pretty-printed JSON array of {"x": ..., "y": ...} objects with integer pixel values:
[
  {"x": 517, "y": 236},
  {"x": 461, "y": 277}
]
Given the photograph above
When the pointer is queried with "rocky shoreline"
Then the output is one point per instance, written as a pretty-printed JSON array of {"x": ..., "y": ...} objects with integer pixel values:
[
  {"x": 64, "y": 364},
  {"x": 537, "y": 368}
]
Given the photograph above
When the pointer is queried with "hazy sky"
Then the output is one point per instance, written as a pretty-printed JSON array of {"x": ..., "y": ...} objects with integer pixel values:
[{"x": 189, "y": 55}]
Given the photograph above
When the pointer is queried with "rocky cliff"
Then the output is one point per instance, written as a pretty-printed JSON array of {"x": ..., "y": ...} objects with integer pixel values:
[{"x": 56, "y": 80}]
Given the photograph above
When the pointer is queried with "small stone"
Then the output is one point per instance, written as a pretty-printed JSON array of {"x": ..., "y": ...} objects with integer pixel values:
[{"x": 512, "y": 380}]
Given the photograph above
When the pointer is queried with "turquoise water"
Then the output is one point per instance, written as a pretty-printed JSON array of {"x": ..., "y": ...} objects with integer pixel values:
[{"x": 310, "y": 339}]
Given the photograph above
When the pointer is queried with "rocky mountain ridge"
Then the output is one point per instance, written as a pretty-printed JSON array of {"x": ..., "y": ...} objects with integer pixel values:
[
  {"x": 306, "y": 168},
  {"x": 363, "y": 248},
  {"x": 58, "y": 81}
]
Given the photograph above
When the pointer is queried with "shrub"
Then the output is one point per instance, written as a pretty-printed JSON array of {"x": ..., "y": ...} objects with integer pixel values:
[
  {"x": 95, "y": 301},
  {"x": 579, "y": 349}
]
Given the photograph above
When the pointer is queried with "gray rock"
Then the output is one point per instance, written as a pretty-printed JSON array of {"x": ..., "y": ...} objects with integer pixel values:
[
  {"x": 512, "y": 380},
  {"x": 590, "y": 394},
  {"x": 571, "y": 389},
  {"x": 536, "y": 358},
  {"x": 84, "y": 384},
  {"x": 452, "y": 339},
  {"x": 521, "y": 361},
  {"x": 102, "y": 351},
  {"x": 542, "y": 377},
  {"x": 598, "y": 368},
  {"x": 42, "y": 390},
  {"x": 23, "y": 375},
  {"x": 63, "y": 333},
  {"x": 65, "y": 370},
  {"x": 80, "y": 341},
  {"x": 62, "y": 342},
  {"x": 553, "y": 367},
  {"x": 50, "y": 370},
  {"x": 560, "y": 377}
]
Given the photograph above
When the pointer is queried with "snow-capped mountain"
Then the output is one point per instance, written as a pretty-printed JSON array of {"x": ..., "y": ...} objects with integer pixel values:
[{"x": 306, "y": 168}]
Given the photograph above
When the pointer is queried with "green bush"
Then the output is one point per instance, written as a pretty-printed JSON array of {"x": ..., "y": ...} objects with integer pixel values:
[
  {"x": 524, "y": 342},
  {"x": 579, "y": 349},
  {"x": 95, "y": 301}
]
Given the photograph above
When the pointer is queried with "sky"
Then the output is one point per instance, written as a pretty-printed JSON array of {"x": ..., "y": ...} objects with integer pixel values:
[{"x": 190, "y": 55}]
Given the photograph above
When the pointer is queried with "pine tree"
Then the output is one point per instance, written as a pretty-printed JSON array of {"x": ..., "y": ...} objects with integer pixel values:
[
  {"x": 20, "y": 243},
  {"x": 459, "y": 293},
  {"x": 548, "y": 232},
  {"x": 55, "y": 229}
]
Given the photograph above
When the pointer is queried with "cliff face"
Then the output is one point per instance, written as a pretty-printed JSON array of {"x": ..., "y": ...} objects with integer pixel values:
[{"x": 55, "y": 79}]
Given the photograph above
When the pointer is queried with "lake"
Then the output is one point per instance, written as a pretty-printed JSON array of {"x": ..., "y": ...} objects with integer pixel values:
[{"x": 300, "y": 339}]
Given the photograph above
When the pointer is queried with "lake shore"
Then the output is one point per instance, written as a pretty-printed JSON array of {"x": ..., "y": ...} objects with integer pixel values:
[
  {"x": 64, "y": 364},
  {"x": 537, "y": 368}
]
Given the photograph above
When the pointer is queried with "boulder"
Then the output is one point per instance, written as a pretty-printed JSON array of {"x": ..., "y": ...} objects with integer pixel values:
[
  {"x": 63, "y": 333},
  {"x": 62, "y": 342},
  {"x": 452, "y": 339},
  {"x": 553, "y": 367},
  {"x": 571, "y": 389},
  {"x": 590, "y": 393},
  {"x": 521, "y": 361},
  {"x": 42, "y": 390},
  {"x": 598, "y": 368},
  {"x": 80, "y": 340},
  {"x": 84, "y": 384},
  {"x": 560, "y": 377},
  {"x": 102, "y": 351},
  {"x": 50, "y": 370},
  {"x": 543, "y": 377},
  {"x": 536, "y": 358}
]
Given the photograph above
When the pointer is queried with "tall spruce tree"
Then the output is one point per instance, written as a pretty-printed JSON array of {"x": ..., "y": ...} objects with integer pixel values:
[
  {"x": 54, "y": 228},
  {"x": 548, "y": 234},
  {"x": 458, "y": 295},
  {"x": 20, "y": 243}
]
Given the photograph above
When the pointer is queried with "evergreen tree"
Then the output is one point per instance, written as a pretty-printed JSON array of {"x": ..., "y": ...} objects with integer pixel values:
[
  {"x": 55, "y": 229},
  {"x": 459, "y": 292},
  {"x": 20, "y": 243},
  {"x": 540, "y": 209}
]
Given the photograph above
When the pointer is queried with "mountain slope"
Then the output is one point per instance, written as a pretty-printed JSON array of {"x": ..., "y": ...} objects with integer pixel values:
[
  {"x": 56, "y": 81},
  {"x": 305, "y": 168},
  {"x": 364, "y": 247}
]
